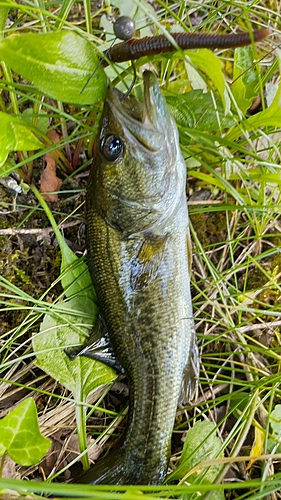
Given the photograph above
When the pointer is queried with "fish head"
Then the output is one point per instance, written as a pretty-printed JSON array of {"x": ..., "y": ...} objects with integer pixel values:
[{"x": 138, "y": 173}]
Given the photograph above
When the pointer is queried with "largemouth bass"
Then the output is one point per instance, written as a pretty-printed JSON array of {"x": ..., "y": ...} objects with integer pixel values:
[{"x": 139, "y": 258}]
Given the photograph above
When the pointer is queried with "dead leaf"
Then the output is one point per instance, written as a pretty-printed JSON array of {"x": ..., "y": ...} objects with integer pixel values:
[
  {"x": 51, "y": 458},
  {"x": 49, "y": 181},
  {"x": 257, "y": 448},
  {"x": 94, "y": 451},
  {"x": 9, "y": 470},
  {"x": 73, "y": 449},
  {"x": 14, "y": 495}
]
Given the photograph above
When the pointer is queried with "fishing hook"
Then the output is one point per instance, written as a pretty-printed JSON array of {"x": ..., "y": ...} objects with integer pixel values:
[{"x": 124, "y": 28}]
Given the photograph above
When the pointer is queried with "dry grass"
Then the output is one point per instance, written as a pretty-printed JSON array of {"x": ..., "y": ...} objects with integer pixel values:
[{"x": 235, "y": 285}]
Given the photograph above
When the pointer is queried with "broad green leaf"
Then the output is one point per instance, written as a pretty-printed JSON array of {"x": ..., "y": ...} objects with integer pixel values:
[
  {"x": 75, "y": 275},
  {"x": 245, "y": 78},
  {"x": 201, "y": 443},
  {"x": 270, "y": 89},
  {"x": 181, "y": 112},
  {"x": 59, "y": 64},
  {"x": 208, "y": 62},
  {"x": 20, "y": 435},
  {"x": 41, "y": 121},
  {"x": 15, "y": 135},
  {"x": 75, "y": 278},
  {"x": 274, "y": 442},
  {"x": 7, "y": 168},
  {"x": 131, "y": 9},
  {"x": 270, "y": 117},
  {"x": 3, "y": 18},
  {"x": 67, "y": 324},
  {"x": 196, "y": 109},
  {"x": 197, "y": 81},
  {"x": 275, "y": 420}
]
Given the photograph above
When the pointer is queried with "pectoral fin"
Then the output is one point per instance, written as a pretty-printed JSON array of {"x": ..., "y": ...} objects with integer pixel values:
[
  {"x": 190, "y": 374},
  {"x": 98, "y": 347},
  {"x": 145, "y": 265}
]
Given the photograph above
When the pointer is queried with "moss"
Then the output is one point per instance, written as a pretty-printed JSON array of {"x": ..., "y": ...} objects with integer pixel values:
[
  {"x": 269, "y": 295},
  {"x": 210, "y": 228},
  {"x": 28, "y": 260}
]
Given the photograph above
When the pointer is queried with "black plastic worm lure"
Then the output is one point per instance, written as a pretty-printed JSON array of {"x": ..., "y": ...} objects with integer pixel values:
[{"x": 136, "y": 48}]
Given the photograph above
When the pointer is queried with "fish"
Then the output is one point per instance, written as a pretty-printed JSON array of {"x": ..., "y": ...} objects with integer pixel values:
[{"x": 139, "y": 257}]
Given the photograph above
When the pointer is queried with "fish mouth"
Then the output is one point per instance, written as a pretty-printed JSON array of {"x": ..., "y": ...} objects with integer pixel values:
[{"x": 146, "y": 122}]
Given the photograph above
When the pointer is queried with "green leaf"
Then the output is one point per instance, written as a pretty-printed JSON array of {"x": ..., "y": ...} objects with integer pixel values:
[
  {"x": 3, "y": 18},
  {"x": 201, "y": 443},
  {"x": 275, "y": 423},
  {"x": 208, "y": 62},
  {"x": 132, "y": 10},
  {"x": 275, "y": 420},
  {"x": 197, "y": 82},
  {"x": 59, "y": 64},
  {"x": 67, "y": 324},
  {"x": 15, "y": 135},
  {"x": 270, "y": 117},
  {"x": 196, "y": 109},
  {"x": 181, "y": 112},
  {"x": 75, "y": 274},
  {"x": 245, "y": 78},
  {"x": 41, "y": 121},
  {"x": 271, "y": 88},
  {"x": 20, "y": 435}
]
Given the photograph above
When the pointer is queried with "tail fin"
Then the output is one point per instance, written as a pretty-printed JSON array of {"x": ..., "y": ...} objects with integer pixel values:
[
  {"x": 119, "y": 468},
  {"x": 109, "y": 470}
]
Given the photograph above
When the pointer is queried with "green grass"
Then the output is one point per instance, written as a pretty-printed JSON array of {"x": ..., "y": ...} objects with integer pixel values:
[{"x": 234, "y": 161}]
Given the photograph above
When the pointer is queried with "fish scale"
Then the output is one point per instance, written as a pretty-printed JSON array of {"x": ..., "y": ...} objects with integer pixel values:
[{"x": 139, "y": 258}]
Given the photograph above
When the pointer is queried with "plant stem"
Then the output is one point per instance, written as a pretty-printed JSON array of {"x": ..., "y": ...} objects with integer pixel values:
[
  {"x": 80, "y": 409},
  {"x": 80, "y": 414},
  {"x": 2, "y": 461},
  {"x": 49, "y": 214}
]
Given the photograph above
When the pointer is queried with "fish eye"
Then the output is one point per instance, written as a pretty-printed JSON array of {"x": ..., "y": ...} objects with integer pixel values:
[{"x": 112, "y": 147}]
